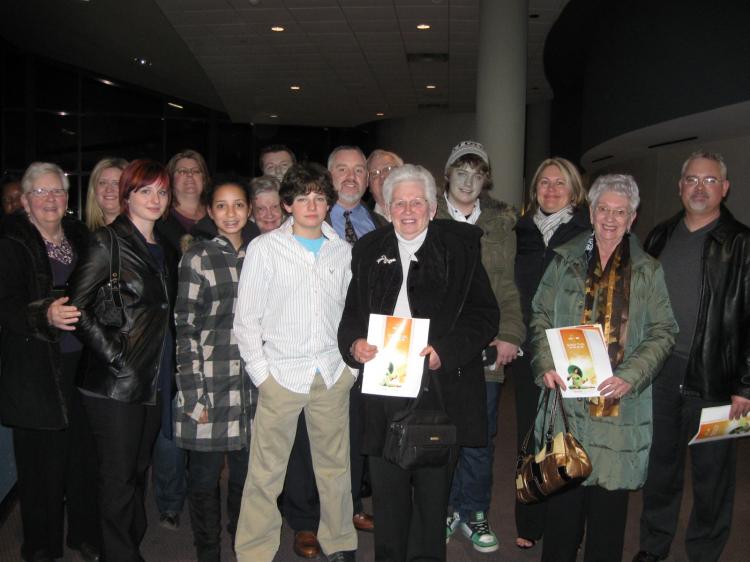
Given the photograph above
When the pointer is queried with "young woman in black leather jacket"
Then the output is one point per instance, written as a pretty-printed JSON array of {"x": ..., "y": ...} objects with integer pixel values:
[{"x": 129, "y": 367}]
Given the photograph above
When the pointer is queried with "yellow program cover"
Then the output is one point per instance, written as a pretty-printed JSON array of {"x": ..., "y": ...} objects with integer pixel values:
[{"x": 396, "y": 370}]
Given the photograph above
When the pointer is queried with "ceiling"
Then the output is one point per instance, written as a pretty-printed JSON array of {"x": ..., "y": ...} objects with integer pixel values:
[{"x": 352, "y": 59}]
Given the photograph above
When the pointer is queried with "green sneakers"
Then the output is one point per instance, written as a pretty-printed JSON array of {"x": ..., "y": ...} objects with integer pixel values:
[
  {"x": 451, "y": 525},
  {"x": 477, "y": 529}
]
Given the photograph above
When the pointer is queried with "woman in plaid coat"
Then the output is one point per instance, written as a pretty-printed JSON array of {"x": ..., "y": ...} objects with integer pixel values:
[{"x": 215, "y": 398}]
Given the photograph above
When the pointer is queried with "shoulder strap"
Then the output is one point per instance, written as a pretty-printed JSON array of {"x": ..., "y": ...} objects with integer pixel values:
[{"x": 114, "y": 268}]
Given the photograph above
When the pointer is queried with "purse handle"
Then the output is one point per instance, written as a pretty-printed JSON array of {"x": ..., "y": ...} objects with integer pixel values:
[
  {"x": 548, "y": 434},
  {"x": 114, "y": 268}
]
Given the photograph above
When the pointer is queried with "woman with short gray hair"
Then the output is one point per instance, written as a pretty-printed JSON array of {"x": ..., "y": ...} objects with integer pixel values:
[
  {"x": 52, "y": 443},
  {"x": 603, "y": 278}
]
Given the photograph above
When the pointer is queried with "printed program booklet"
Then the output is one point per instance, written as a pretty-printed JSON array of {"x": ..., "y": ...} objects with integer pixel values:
[
  {"x": 397, "y": 368},
  {"x": 581, "y": 358},
  {"x": 716, "y": 425}
]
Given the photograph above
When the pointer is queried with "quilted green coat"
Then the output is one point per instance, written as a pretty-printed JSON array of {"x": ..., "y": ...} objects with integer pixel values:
[{"x": 618, "y": 446}]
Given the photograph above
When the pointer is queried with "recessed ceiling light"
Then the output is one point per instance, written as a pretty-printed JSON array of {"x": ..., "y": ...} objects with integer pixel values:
[
  {"x": 175, "y": 105},
  {"x": 140, "y": 61},
  {"x": 379, "y": 114},
  {"x": 430, "y": 86},
  {"x": 107, "y": 82},
  {"x": 273, "y": 116},
  {"x": 277, "y": 28},
  {"x": 295, "y": 88},
  {"x": 423, "y": 26},
  {"x": 62, "y": 113}
]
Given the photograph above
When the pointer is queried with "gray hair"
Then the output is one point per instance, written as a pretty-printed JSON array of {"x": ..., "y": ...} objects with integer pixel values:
[
  {"x": 264, "y": 184},
  {"x": 622, "y": 184},
  {"x": 715, "y": 156},
  {"x": 37, "y": 169},
  {"x": 338, "y": 149},
  {"x": 411, "y": 172},
  {"x": 382, "y": 153}
]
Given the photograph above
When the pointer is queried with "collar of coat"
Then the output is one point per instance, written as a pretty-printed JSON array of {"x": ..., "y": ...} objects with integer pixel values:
[{"x": 575, "y": 250}]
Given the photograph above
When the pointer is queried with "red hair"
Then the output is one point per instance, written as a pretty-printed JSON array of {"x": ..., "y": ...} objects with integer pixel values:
[{"x": 140, "y": 173}]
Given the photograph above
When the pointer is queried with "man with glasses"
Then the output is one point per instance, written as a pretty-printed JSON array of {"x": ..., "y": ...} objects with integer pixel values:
[
  {"x": 275, "y": 160},
  {"x": 705, "y": 254},
  {"x": 379, "y": 165}
]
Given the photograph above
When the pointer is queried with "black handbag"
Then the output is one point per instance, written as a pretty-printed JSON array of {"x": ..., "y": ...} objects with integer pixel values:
[
  {"x": 420, "y": 438},
  {"x": 108, "y": 307}
]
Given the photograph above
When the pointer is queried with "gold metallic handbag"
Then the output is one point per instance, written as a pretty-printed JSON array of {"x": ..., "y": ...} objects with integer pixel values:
[{"x": 561, "y": 464}]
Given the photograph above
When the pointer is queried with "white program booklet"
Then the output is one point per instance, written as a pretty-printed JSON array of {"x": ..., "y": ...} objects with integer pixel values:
[{"x": 397, "y": 368}]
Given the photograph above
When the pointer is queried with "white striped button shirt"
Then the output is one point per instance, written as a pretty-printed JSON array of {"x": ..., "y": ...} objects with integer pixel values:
[{"x": 289, "y": 307}]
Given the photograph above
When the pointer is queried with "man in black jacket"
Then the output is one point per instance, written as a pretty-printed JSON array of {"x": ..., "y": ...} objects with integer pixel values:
[{"x": 705, "y": 254}]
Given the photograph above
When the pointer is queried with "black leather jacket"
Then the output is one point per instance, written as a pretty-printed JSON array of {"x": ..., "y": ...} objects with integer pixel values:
[
  {"x": 123, "y": 363},
  {"x": 719, "y": 362}
]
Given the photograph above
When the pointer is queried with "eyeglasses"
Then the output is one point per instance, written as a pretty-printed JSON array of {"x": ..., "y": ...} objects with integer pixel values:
[
  {"x": 617, "y": 214},
  {"x": 416, "y": 205},
  {"x": 188, "y": 172},
  {"x": 41, "y": 192},
  {"x": 707, "y": 181},
  {"x": 382, "y": 172}
]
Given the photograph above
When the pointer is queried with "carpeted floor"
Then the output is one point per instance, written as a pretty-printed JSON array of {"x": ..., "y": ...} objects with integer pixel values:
[{"x": 162, "y": 545}]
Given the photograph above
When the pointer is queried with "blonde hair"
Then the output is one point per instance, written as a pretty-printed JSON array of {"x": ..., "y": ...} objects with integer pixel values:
[
  {"x": 94, "y": 213},
  {"x": 567, "y": 169}
]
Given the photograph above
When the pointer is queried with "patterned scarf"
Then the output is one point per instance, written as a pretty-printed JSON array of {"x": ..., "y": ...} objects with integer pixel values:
[
  {"x": 547, "y": 224},
  {"x": 609, "y": 288},
  {"x": 62, "y": 253}
]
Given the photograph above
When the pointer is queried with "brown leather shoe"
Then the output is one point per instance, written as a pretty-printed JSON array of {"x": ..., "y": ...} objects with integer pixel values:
[
  {"x": 306, "y": 544},
  {"x": 363, "y": 522}
]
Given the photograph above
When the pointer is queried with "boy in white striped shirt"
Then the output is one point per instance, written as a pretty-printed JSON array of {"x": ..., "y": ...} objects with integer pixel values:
[{"x": 291, "y": 296}]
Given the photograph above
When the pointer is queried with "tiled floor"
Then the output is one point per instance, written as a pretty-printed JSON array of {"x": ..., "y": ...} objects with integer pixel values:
[{"x": 161, "y": 545}]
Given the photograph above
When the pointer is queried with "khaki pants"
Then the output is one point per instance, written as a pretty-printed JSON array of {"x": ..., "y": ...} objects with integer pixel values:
[{"x": 327, "y": 417}]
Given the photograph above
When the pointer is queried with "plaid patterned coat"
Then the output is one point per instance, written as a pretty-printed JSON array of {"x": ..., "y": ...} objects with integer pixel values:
[{"x": 210, "y": 377}]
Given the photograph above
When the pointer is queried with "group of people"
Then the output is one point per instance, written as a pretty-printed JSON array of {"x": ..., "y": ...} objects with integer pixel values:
[{"x": 194, "y": 323}]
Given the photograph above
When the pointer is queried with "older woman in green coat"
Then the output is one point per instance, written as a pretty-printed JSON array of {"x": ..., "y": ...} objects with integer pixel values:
[{"x": 604, "y": 278}]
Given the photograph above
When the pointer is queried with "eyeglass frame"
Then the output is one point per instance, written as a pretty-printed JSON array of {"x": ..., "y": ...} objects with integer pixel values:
[
  {"x": 188, "y": 172},
  {"x": 42, "y": 192},
  {"x": 694, "y": 181},
  {"x": 402, "y": 205},
  {"x": 382, "y": 172}
]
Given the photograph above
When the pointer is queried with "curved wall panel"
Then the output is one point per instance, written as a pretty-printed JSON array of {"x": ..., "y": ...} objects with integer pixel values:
[{"x": 622, "y": 66}]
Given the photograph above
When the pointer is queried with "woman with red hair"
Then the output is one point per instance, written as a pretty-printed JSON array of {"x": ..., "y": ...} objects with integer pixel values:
[{"x": 124, "y": 290}]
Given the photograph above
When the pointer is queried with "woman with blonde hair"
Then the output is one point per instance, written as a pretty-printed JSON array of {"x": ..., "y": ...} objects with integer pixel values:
[
  {"x": 103, "y": 196},
  {"x": 556, "y": 213}
]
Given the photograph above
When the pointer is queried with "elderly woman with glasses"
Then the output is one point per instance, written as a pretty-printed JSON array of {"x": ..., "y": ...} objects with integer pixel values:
[
  {"x": 419, "y": 268},
  {"x": 604, "y": 278},
  {"x": 40, "y": 353}
]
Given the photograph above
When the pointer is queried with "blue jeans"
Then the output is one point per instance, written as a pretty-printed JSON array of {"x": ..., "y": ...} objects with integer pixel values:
[
  {"x": 169, "y": 474},
  {"x": 472, "y": 481}
]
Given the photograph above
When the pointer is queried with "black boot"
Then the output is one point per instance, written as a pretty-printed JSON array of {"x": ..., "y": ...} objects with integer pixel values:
[{"x": 205, "y": 519}]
